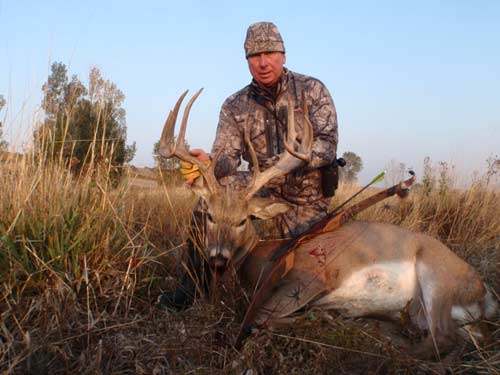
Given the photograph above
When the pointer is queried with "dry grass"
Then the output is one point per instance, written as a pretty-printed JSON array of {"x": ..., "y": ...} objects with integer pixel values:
[{"x": 81, "y": 265}]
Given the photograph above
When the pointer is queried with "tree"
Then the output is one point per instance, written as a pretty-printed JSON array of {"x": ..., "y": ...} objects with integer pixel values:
[
  {"x": 88, "y": 126},
  {"x": 3, "y": 144},
  {"x": 54, "y": 89},
  {"x": 493, "y": 169},
  {"x": 353, "y": 166}
]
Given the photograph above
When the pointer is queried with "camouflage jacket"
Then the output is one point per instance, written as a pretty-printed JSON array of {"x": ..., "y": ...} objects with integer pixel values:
[{"x": 266, "y": 113}]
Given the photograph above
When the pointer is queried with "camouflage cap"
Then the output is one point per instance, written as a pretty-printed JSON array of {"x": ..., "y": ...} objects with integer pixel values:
[{"x": 263, "y": 37}]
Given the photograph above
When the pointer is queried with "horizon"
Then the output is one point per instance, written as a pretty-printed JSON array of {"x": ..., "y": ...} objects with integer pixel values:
[{"x": 408, "y": 82}]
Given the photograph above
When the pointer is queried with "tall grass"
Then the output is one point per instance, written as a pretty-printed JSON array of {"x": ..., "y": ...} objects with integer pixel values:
[
  {"x": 82, "y": 262},
  {"x": 72, "y": 248}
]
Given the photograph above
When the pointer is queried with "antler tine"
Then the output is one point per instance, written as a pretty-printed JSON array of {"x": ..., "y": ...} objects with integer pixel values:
[
  {"x": 215, "y": 160},
  {"x": 290, "y": 159},
  {"x": 182, "y": 153},
  {"x": 307, "y": 133},
  {"x": 167, "y": 146},
  {"x": 253, "y": 155},
  {"x": 291, "y": 131},
  {"x": 307, "y": 137},
  {"x": 182, "y": 132}
]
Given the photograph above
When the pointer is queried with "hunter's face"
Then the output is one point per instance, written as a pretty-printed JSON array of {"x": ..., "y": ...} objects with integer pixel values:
[{"x": 266, "y": 68}]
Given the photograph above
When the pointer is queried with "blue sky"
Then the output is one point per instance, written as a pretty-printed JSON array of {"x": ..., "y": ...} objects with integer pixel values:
[{"x": 409, "y": 79}]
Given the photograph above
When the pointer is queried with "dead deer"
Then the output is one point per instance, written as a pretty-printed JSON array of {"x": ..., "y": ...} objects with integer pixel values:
[{"x": 361, "y": 269}]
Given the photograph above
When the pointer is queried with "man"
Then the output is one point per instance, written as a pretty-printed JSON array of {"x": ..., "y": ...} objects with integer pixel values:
[{"x": 262, "y": 106}]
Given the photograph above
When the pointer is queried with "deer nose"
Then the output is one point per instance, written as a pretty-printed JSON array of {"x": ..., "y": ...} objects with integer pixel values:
[
  {"x": 218, "y": 261},
  {"x": 219, "y": 257}
]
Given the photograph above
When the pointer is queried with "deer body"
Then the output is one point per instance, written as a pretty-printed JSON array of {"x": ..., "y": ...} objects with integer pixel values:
[
  {"x": 360, "y": 269},
  {"x": 376, "y": 269}
]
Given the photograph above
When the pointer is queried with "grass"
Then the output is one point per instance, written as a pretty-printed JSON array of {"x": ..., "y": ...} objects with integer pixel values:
[{"x": 82, "y": 262}]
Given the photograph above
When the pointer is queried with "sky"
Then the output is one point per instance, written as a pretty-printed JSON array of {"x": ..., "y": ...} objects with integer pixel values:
[{"x": 409, "y": 79}]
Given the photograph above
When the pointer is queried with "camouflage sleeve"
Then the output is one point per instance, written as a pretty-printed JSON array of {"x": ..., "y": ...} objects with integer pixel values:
[
  {"x": 323, "y": 117},
  {"x": 228, "y": 139}
]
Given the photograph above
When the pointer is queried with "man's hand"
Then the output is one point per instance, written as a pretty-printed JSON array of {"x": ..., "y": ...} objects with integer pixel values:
[{"x": 191, "y": 172}]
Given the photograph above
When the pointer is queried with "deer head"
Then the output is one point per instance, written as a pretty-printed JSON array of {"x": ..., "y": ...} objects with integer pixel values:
[{"x": 230, "y": 234}]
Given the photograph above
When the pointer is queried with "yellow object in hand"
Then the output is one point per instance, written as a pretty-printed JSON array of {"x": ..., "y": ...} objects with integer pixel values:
[{"x": 191, "y": 172}]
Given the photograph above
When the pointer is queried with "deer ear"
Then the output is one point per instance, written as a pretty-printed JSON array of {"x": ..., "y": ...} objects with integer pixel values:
[{"x": 265, "y": 208}]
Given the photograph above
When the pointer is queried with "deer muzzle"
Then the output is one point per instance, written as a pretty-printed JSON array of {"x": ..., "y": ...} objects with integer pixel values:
[{"x": 219, "y": 258}]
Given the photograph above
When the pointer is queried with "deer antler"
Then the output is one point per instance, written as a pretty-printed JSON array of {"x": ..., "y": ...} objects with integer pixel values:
[
  {"x": 169, "y": 148},
  {"x": 294, "y": 156}
]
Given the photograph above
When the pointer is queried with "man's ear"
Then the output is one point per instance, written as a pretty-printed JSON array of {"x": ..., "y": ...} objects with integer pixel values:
[{"x": 266, "y": 208}]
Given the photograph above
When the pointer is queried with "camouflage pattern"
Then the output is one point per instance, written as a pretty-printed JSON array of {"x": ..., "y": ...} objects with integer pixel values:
[
  {"x": 263, "y": 37},
  {"x": 266, "y": 114}
]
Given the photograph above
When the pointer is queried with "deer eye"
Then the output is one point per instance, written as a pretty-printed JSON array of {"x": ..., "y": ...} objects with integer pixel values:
[{"x": 242, "y": 222}]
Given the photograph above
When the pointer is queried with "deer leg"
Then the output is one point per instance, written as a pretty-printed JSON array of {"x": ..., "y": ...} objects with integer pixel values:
[
  {"x": 296, "y": 290},
  {"x": 437, "y": 314}
]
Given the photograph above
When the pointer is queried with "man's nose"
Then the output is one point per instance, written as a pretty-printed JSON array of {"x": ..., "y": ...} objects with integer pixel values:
[{"x": 263, "y": 60}]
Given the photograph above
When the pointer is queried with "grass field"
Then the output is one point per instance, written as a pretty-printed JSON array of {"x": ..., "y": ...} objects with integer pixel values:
[{"x": 82, "y": 263}]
